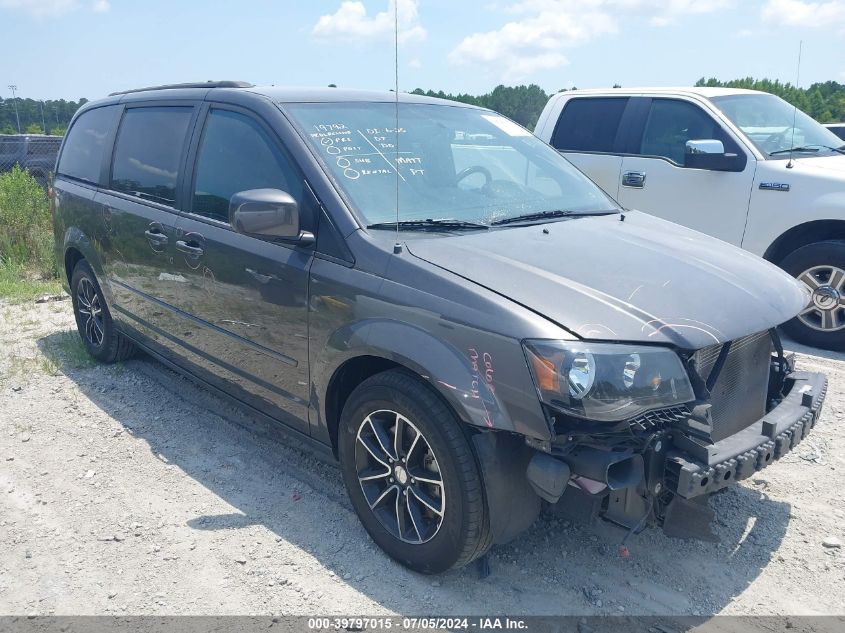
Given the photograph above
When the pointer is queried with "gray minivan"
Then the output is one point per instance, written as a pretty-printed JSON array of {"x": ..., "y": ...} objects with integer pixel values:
[{"x": 437, "y": 298}]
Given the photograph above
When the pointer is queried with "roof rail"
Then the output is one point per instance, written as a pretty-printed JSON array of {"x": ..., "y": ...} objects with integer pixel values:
[{"x": 197, "y": 84}]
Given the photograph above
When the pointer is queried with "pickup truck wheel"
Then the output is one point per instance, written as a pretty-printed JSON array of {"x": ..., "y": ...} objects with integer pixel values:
[
  {"x": 821, "y": 268},
  {"x": 93, "y": 319},
  {"x": 411, "y": 474}
]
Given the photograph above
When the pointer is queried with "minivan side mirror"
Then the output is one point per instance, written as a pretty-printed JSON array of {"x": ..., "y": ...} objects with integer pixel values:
[
  {"x": 710, "y": 154},
  {"x": 267, "y": 213}
]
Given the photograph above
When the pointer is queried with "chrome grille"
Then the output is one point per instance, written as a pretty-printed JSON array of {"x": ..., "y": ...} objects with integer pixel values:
[{"x": 739, "y": 395}]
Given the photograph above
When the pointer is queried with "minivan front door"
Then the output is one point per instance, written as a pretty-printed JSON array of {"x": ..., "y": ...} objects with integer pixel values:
[
  {"x": 246, "y": 300},
  {"x": 657, "y": 182}
]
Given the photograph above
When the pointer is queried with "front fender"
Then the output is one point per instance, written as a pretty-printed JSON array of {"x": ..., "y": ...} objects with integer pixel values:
[{"x": 483, "y": 377}]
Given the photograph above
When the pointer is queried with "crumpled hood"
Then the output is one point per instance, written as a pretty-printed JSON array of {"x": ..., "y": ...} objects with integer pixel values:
[{"x": 644, "y": 279}]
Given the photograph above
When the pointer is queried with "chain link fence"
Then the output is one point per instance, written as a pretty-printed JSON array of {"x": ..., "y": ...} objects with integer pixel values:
[{"x": 34, "y": 153}]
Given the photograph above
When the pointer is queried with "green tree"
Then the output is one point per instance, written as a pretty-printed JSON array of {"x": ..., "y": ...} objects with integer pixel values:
[
  {"x": 823, "y": 101},
  {"x": 523, "y": 104}
]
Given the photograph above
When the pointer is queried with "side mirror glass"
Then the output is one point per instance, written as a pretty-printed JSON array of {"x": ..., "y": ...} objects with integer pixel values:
[
  {"x": 710, "y": 154},
  {"x": 269, "y": 213}
]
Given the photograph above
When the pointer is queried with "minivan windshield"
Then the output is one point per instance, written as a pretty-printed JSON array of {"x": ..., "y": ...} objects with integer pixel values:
[
  {"x": 466, "y": 165},
  {"x": 767, "y": 121}
]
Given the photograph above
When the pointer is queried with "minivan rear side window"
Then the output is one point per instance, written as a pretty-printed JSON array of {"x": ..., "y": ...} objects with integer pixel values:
[
  {"x": 148, "y": 152},
  {"x": 82, "y": 155},
  {"x": 589, "y": 125}
]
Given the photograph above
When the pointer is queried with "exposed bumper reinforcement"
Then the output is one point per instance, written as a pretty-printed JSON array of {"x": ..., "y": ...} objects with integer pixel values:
[{"x": 695, "y": 468}]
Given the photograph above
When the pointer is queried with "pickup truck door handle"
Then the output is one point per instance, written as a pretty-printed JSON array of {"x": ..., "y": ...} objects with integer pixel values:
[
  {"x": 633, "y": 179},
  {"x": 191, "y": 248}
]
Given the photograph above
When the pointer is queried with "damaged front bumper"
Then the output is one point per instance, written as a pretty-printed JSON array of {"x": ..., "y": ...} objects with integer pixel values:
[
  {"x": 695, "y": 468},
  {"x": 667, "y": 481}
]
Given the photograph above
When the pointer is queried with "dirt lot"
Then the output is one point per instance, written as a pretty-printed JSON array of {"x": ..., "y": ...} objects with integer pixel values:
[{"x": 127, "y": 489}]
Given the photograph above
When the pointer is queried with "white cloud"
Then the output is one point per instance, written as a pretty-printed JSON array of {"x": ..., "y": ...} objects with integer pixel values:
[
  {"x": 533, "y": 43},
  {"x": 543, "y": 29},
  {"x": 804, "y": 14},
  {"x": 52, "y": 8},
  {"x": 351, "y": 23},
  {"x": 415, "y": 63},
  {"x": 41, "y": 8}
]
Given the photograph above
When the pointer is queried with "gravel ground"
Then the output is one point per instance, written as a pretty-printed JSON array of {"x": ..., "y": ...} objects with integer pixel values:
[{"x": 128, "y": 490}]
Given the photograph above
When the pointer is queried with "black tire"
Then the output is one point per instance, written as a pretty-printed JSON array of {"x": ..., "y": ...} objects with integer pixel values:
[
  {"x": 93, "y": 319},
  {"x": 819, "y": 328},
  {"x": 463, "y": 533}
]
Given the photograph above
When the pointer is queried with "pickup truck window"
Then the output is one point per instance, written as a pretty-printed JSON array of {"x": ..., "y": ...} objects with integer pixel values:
[
  {"x": 672, "y": 122},
  {"x": 589, "y": 124},
  {"x": 767, "y": 121},
  {"x": 82, "y": 155},
  {"x": 148, "y": 152}
]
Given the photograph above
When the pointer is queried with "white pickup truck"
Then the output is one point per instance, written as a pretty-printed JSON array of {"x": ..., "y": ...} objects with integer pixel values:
[{"x": 741, "y": 165}]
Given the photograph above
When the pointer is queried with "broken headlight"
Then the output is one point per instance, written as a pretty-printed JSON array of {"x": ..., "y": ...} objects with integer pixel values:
[{"x": 605, "y": 381}]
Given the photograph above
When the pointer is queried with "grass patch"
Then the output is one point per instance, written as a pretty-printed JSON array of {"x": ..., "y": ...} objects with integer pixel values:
[
  {"x": 27, "y": 258},
  {"x": 18, "y": 285}
]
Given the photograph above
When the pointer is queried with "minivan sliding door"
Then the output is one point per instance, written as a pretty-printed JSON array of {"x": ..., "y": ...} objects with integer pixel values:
[{"x": 139, "y": 211}]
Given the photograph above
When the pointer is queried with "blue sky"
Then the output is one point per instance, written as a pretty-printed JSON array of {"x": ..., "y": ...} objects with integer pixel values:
[{"x": 75, "y": 48}]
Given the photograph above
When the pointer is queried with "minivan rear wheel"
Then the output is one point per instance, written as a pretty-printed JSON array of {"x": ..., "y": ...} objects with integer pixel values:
[
  {"x": 821, "y": 268},
  {"x": 93, "y": 319},
  {"x": 411, "y": 474}
]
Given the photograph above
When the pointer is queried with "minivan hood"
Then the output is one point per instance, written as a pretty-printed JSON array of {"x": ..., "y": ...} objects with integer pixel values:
[{"x": 641, "y": 279}]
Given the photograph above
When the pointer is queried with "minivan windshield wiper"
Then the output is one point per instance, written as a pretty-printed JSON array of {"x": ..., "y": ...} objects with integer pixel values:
[
  {"x": 545, "y": 215},
  {"x": 429, "y": 224},
  {"x": 808, "y": 148}
]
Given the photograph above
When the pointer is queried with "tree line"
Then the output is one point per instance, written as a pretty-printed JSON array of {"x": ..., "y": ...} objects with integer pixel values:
[
  {"x": 36, "y": 116},
  {"x": 823, "y": 101}
]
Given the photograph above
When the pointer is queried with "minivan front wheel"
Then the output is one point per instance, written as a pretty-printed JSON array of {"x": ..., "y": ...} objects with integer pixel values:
[
  {"x": 411, "y": 474},
  {"x": 821, "y": 268},
  {"x": 93, "y": 319}
]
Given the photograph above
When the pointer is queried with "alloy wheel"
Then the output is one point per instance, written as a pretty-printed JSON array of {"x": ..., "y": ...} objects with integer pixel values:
[
  {"x": 91, "y": 311},
  {"x": 400, "y": 477}
]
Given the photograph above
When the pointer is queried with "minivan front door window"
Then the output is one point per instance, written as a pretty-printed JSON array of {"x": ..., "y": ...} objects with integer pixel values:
[{"x": 235, "y": 155}]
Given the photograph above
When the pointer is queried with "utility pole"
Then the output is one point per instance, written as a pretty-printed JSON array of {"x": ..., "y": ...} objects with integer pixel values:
[
  {"x": 43, "y": 122},
  {"x": 13, "y": 87}
]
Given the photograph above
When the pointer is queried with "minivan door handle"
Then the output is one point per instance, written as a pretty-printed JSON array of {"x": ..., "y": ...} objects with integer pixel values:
[
  {"x": 155, "y": 236},
  {"x": 633, "y": 179},
  {"x": 192, "y": 244},
  {"x": 189, "y": 248}
]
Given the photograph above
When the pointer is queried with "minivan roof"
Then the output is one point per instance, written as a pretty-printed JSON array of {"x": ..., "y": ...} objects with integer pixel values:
[{"x": 281, "y": 94}]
